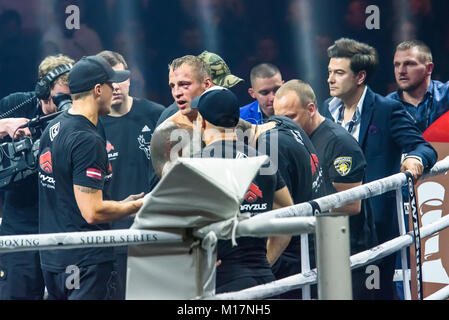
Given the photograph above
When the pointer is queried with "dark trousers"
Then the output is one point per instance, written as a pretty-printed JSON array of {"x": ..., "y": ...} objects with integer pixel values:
[
  {"x": 287, "y": 266},
  {"x": 120, "y": 266},
  {"x": 96, "y": 282},
  {"x": 387, "y": 290},
  {"x": 360, "y": 290},
  {"x": 21, "y": 276}
]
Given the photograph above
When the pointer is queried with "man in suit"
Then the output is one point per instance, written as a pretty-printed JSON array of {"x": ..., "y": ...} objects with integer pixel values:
[{"x": 382, "y": 129}]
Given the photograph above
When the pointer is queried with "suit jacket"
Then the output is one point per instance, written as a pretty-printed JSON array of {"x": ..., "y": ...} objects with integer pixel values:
[{"x": 385, "y": 133}]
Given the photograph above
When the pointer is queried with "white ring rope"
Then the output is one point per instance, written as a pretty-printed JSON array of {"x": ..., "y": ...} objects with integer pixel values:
[
  {"x": 260, "y": 227},
  {"x": 249, "y": 227},
  {"x": 71, "y": 240},
  {"x": 441, "y": 294},
  {"x": 292, "y": 220},
  {"x": 270, "y": 289},
  {"x": 339, "y": 199},
  {"x": 110, "y": 238},
  {"x": 358, "y": 260}
]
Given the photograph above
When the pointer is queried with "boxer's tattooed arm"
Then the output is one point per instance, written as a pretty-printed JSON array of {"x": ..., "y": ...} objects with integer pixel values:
[{"x": 87, "y": 189}]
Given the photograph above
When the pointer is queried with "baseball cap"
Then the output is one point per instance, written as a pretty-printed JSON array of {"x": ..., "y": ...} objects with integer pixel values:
[
  {"x": 219, "y": 106},
  {"x": 220, "y": 73},
  {"x": 92, "y": 70}
]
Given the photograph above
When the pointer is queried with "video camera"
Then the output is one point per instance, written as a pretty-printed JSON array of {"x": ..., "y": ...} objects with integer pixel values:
[{"x": 19, "y": 159}]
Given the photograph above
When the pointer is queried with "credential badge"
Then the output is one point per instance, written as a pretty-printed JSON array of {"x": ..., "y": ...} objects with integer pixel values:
[{"x": 343, "y": 165}]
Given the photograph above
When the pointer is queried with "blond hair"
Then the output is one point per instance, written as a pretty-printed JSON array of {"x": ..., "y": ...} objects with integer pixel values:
[
  {"x": 423, "y": 50},
  {"x": 199, "y": 67},
  {"x": 50, "y": 63}
]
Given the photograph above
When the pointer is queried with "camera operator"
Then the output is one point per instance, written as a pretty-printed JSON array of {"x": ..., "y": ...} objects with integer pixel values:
[{"x": 20, "y": 272}]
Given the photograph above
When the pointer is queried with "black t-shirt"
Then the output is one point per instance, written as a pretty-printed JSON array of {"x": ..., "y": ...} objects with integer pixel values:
[
  {"x": 343, "y": 161},
  {"x": 248, "y": 258},
  {"x": 340, "y": 155},
  {"x": 20, "y": 202},
  {"x": 128, "y": 147},
  {"x": 297, "y": 159},
  {"x": 71, "y": 153},
  {"x": 299, "y": 166}
]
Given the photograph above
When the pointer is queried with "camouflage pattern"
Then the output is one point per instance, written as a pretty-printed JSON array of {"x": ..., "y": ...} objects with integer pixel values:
[{"x": 221, "y": 75}]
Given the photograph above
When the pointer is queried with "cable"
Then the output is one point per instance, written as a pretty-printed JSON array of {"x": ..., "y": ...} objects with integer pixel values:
[{"x": 20, "y": 105}]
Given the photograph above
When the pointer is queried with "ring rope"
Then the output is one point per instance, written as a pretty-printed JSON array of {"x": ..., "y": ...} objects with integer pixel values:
[
  {"x": 441, "y": 294},
  {"x": 71, "y": 240},
  {"x": 358, "y": 260},
  {"x": 247, "y": 227}
]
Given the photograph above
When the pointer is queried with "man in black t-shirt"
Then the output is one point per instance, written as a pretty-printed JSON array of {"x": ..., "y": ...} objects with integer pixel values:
[
  {"x": 249, "y": 263},
  {"x": 343, "y": 166},
  {"x": 287, "y": 144},
  {"x": 20, "y": 272},
  {"x": 128, "y": 128},
  {"x": 73, "y": 171}
]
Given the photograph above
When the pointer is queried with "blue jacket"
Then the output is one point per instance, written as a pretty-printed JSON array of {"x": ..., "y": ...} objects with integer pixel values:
[
  {"x": 252, "y": 113},
  {"x": 386, "y": 131},
  {"x": 434, "y": 104}
]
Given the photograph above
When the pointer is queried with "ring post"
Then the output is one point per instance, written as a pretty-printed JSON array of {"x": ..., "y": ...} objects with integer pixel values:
[{"x": 333, "y": 254}]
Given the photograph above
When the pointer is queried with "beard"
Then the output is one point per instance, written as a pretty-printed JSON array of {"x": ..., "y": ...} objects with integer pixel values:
[{"x": 408, "y": 87}]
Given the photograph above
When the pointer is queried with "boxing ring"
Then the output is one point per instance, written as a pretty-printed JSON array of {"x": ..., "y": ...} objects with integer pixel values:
[{"x": 203, "y": 231}]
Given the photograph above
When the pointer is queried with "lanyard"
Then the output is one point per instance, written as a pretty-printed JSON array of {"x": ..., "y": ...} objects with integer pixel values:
[
  {"x": 341, "y": 118},
  {"x": 428, "y": 105}
]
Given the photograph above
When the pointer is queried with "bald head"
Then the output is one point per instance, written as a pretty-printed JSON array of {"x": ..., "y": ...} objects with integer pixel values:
[
  {"x": 296, "y": 100},
  {"x": 168, "y": 142}
]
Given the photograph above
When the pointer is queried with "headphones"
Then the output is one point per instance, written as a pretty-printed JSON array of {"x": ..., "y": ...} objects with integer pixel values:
[{"x": 42, "y": 89}]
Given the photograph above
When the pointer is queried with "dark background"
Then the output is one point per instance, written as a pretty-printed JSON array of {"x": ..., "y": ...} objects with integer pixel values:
[{"x": 294, "y": 35}]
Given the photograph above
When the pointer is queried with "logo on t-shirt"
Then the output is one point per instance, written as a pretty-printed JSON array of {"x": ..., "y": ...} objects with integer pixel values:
[
  {"x": 253, "y": 193},
  {"x": 297, "y": 135},
  {"x": 45, "y": 161},
  {"x": 93, "y": 173},
  {"x": 144, "y": 140},
  {"x": 45, "y": 164},
  {"x": 54, "y": 130},
  {"x": 343, "y": 165},
  {"x": 110, "y": 149},
  {"x": 314, "y": 163}
]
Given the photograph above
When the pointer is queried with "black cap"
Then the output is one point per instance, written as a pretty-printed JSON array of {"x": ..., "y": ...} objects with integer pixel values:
[
  {"x": 92, "y": 70},
  {"x": 218, "y": 106}
]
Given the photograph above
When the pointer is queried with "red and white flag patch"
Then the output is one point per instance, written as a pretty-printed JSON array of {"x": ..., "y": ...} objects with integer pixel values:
[{"x": 93, "y": 173}]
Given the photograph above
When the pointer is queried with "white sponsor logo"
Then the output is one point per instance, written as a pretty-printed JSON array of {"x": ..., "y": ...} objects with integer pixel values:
[
  {"x": 144, "y": 140},
  {"x": 47, "y": 181},
  {"x": 253, "y": 207},
  {"x": 54, "y": 130},
  {"x": 297, "y": 135}
]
